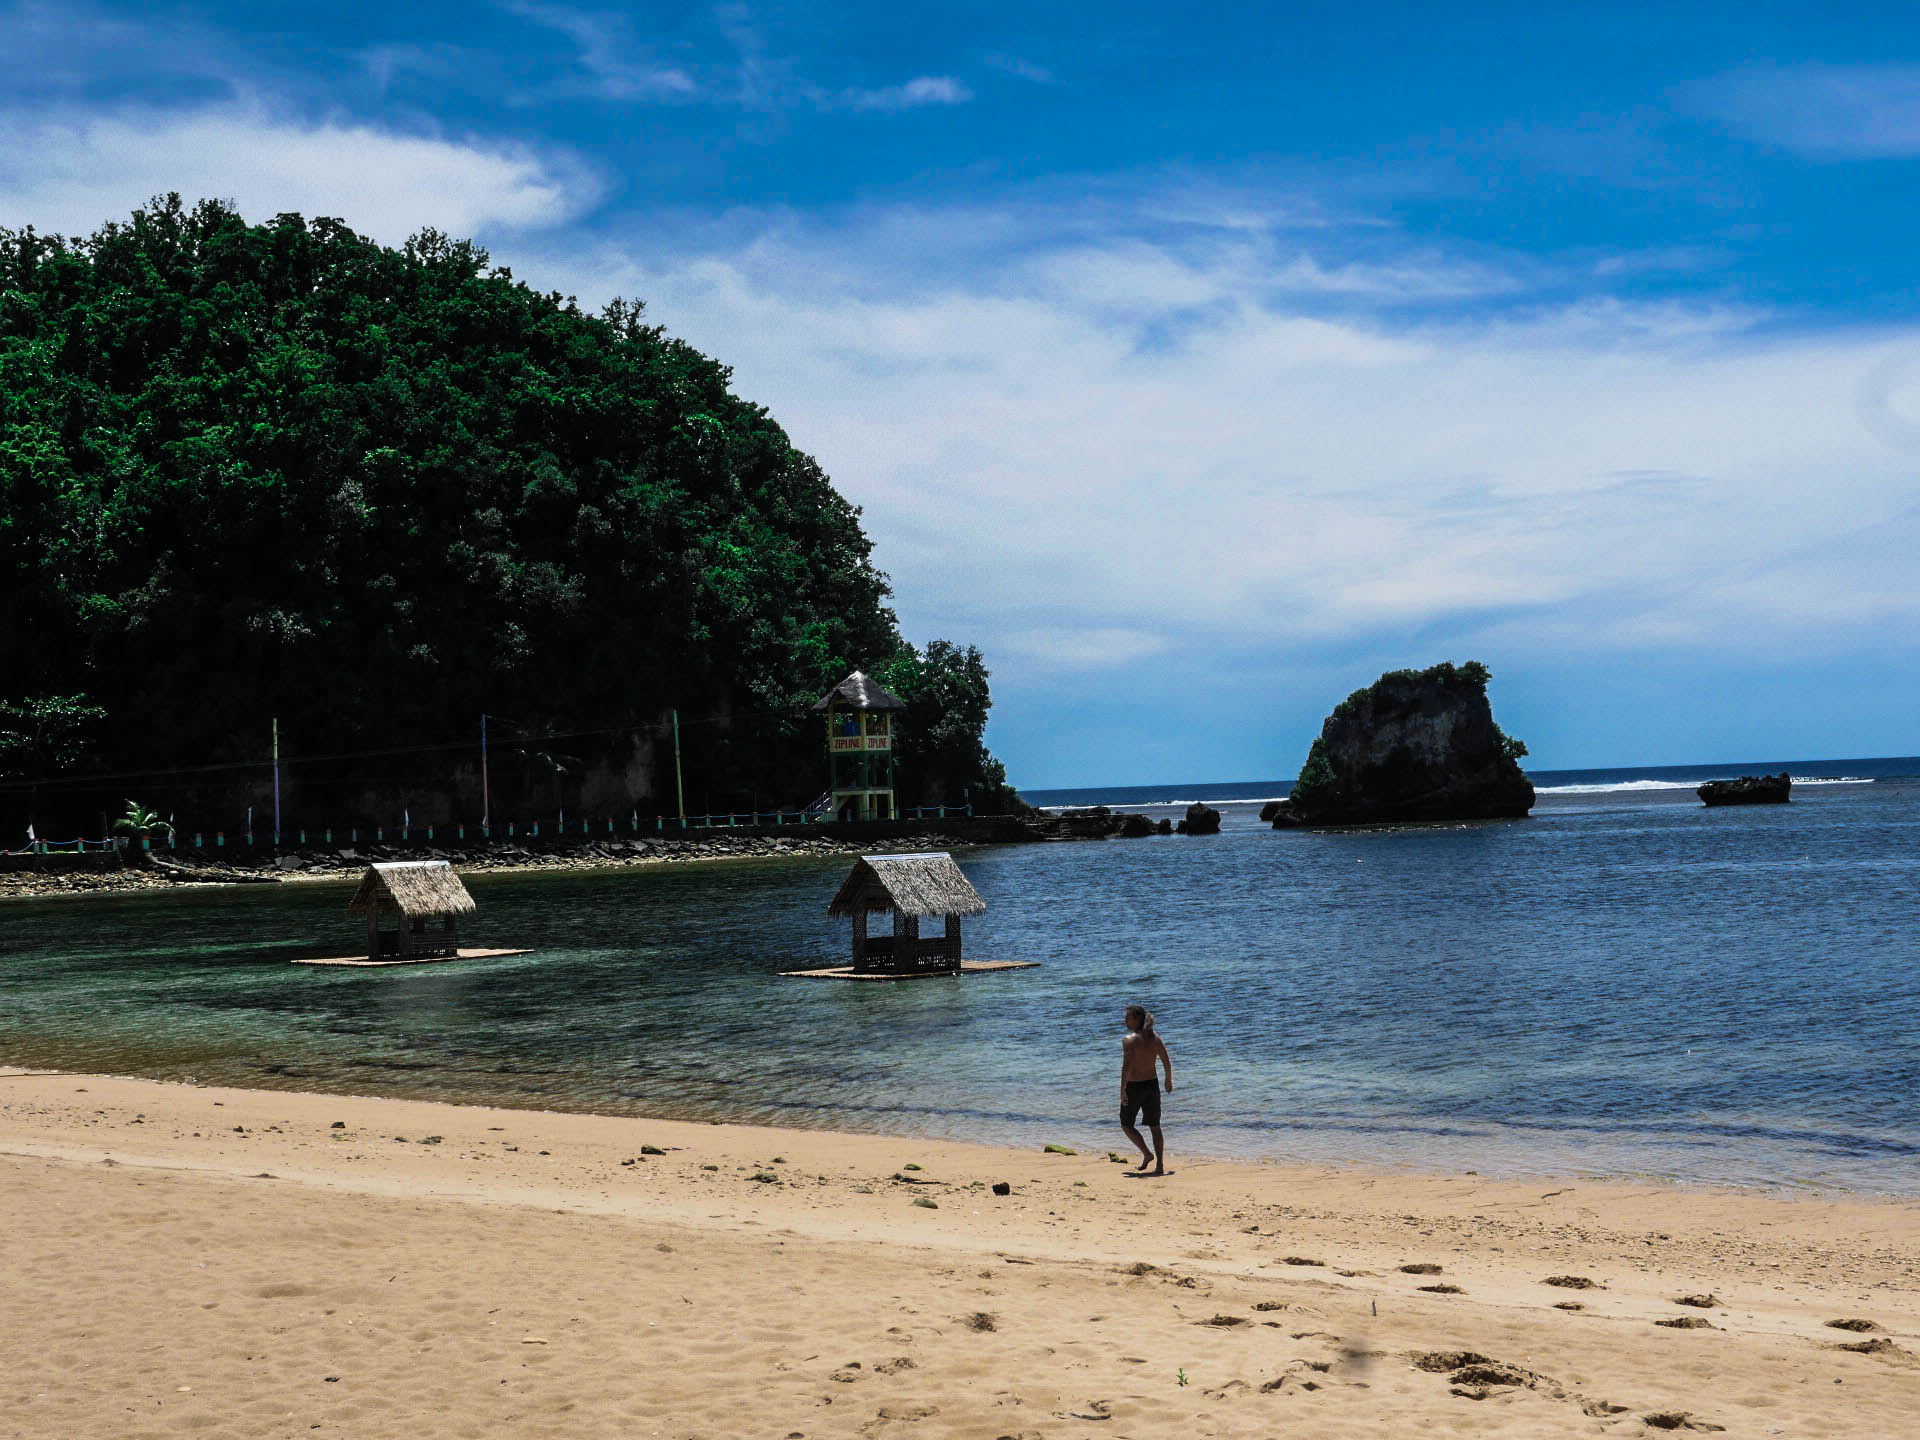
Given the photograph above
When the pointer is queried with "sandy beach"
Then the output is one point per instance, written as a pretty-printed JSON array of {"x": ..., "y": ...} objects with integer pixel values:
[{"x": 235, "y": 1263}]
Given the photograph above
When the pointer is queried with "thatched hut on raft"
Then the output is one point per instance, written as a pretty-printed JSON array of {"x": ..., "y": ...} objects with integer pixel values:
[
  {"x": 423, "y": 898},
  {"x": 910, "y": 887}
]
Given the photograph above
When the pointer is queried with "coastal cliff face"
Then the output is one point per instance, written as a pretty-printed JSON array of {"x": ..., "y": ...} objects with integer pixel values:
[{"x": 1413, "y": 746}]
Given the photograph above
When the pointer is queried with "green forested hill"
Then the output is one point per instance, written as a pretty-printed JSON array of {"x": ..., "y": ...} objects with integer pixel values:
[{"x": 277, "y": 469}]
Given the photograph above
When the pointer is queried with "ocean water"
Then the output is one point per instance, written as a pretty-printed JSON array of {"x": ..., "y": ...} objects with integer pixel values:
[{"x": 1625, "y": 984}]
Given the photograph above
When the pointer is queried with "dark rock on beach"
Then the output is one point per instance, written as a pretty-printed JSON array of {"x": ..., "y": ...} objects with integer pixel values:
[
  {"x": 1749, "y": 790},
  {"x": 1416, "y": 745},
  {"x": 1271, "y": 810},
  {"x": 1201, "y": 820}
]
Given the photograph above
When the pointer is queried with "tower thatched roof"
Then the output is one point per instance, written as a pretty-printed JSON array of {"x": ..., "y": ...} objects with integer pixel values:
[
  {"x": 859, "y": 691},
  {"x": 929, "y": 884},
  {"x": 413, "y": 887}
]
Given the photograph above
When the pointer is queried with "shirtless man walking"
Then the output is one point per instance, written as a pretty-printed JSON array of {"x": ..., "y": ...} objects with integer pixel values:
[{"x": 1141, "y": 1054}]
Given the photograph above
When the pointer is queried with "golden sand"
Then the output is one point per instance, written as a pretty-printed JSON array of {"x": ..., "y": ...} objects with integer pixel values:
[{"x": 227, "y": 1263}]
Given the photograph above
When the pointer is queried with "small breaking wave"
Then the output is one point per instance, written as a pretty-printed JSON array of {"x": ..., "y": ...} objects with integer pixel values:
[
  {"x": 1620, "y": 787},
  {"x": 1179, "y": 804}
]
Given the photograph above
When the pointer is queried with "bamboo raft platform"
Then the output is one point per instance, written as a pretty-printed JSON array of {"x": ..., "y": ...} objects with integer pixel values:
[
  {"x": 362, "y": 962},
  {"x": 966, "y": 967}
]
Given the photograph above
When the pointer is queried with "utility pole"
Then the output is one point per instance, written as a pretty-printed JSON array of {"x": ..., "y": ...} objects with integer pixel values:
[
  {"x": 486, "y": 792},
  {"x": 276, "y": 780},
  {"x": 679, "y": 781}
]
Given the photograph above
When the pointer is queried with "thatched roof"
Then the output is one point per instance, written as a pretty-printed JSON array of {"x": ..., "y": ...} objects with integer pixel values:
[
  {"x": 416, "y": 887},
  {"x": 928, "y": 884},
  {"x": 859, "y": 691}
]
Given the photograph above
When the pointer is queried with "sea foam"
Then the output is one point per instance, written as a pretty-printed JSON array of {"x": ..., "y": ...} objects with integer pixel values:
[{"x": 1609, "y": 787}]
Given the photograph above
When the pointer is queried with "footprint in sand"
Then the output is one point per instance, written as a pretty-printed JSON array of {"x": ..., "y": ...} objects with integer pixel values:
[
  {"x": 1421, "y": 1268},
  {"x": 1438, "y": 1362},
  {"x": 1677, "y": 1420}
]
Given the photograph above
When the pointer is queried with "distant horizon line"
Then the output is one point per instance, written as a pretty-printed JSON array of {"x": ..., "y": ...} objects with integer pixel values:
[{"x": 1562, "y": 770}]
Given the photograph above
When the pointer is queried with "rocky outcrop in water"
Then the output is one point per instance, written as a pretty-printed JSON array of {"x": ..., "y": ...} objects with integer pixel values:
[
  {"x": 1749, "y": 790},
  {"x": 1201, "y": 820},
  {"x": 1416, "y": 745}
]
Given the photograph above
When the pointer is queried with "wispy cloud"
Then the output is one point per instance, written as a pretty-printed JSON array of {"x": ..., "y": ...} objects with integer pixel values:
[
  {"x": 1019, "y": 68},
  {"x": 1825, "y": 111},
  {"x": 733, "y": 64},
  {"x": 1087, "y": 648},
  {"x": 613, "y": 62},
  {"x": 916, "y": 93},
  {"x": 386, "y": 65}
]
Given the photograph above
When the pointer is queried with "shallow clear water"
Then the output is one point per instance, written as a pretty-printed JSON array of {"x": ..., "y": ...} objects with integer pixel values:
[{"x": 1627, "y": 983}]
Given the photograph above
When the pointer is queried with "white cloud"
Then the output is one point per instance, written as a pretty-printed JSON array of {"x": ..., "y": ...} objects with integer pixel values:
[
  {"x": 922, "y": 91},
  {"x": 1829, "y": 111},
  {"x": 1088, "y": 454},
  {"x": 71, "y": 175}
]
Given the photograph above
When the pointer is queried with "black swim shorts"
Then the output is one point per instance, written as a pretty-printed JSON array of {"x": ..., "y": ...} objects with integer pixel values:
[{"x": 1143, "y": 1099}]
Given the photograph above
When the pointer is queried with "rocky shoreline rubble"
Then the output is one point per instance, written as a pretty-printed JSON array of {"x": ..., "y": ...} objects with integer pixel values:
[{"x": 160, "y": 872}]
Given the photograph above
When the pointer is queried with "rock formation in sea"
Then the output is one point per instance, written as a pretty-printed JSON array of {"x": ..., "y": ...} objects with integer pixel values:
[
  {"x": 1749, "y": 790},
  {"x": 1416, "y": 745},
  {"x": 1201, "y": 820}
]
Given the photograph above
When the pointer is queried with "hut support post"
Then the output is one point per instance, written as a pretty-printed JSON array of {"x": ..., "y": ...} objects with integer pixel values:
[
  {"x": 953, "y": 939},
  {"x": 859, "y": 937}
]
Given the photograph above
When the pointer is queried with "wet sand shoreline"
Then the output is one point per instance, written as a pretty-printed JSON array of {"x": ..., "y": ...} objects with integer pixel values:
[{"x": 251, "y": 1263}]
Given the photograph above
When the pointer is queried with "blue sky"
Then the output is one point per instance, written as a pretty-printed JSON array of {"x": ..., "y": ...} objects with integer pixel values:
[{"x": 1200, "y": 362}]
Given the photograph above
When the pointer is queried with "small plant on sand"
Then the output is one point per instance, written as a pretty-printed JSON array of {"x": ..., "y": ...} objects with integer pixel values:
[
  {"x": 1181, "y": 1376},
  {"x": 140, "y": 823}
]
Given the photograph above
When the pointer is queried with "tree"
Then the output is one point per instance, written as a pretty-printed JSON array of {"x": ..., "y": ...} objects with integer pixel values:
[
  {"x": 369, "y": 490},
  {"x": 48, "y": 736},
  {"x": 941, "y": 754}
]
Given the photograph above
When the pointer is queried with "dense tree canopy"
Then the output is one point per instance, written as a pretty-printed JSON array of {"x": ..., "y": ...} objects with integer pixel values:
[{"x": 277, "y": 469}]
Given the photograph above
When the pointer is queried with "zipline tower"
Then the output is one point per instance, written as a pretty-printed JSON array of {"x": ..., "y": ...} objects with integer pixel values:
[{"x": 860, "y": 715}]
